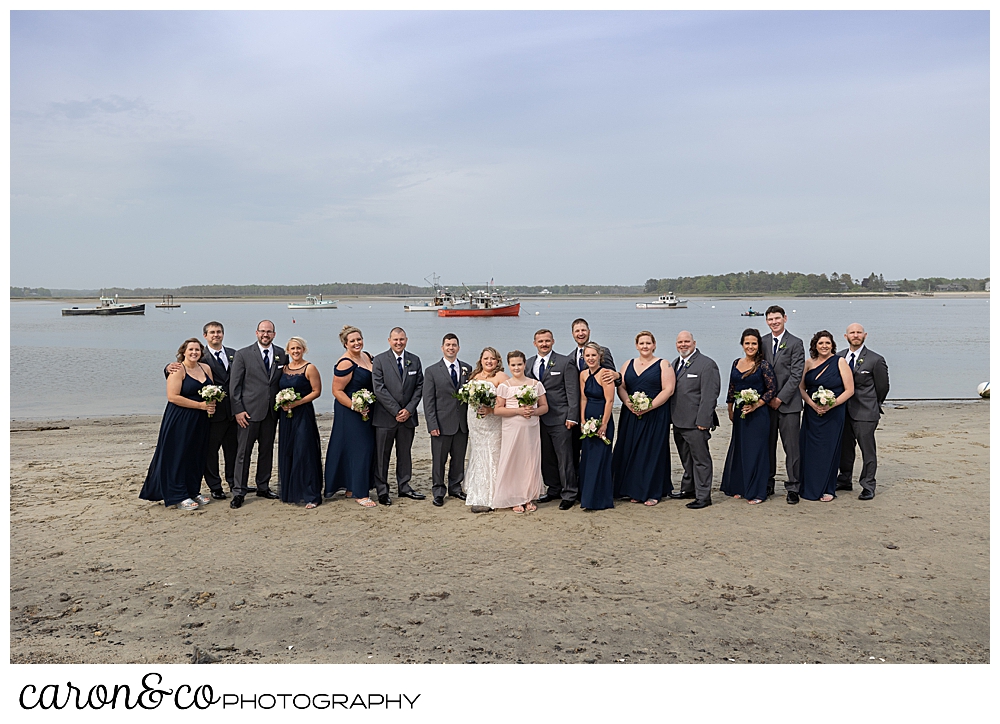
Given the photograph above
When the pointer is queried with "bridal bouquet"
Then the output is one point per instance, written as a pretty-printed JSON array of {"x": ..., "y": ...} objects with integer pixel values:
[
  {"x": 477, "y": 393},
  {"x": 212, "y": 393},
  {"x": 591, "y": 428},
  {"x": 361, "y": 401},
  {"x": 824, "y": 397},
  {"x": 284, "y": 397},
  {"x": 525, "y": 396},
  {"x": 747, "y": 397},
  {"x": 640, "y": 402}
]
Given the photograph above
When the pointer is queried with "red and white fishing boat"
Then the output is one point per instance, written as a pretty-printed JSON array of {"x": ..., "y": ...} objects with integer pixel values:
[{"x": 484, "y": 303}]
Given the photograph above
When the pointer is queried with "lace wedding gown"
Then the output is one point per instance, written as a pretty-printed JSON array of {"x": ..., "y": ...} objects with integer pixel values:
[{"x": 484, "y": 455}]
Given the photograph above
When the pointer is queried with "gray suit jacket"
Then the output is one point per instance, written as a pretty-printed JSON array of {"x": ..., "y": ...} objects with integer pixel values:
[
  {"x": 251, "y": 387},
  {"x": 608, "y": 362},
  {"x": 697, "y": 393},
  {"x": 788, "y": 366},
  {"x": 441, "y": 408},
  {"x": 393, "y": 394},
  {"x": 871, "y": 385},
  {"x": 561, "y": 381}
]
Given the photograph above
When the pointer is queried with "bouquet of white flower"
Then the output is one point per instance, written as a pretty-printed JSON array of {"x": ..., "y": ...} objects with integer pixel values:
[
  {"x": 212, "y": 393},
  {"x": 525, "y": 396},
  {"x": 361, "y": 401},
  {"x": 284, "y": 397},
  {"x": 591, "y": 428},
  {"x": 640, "y": 403},
  {"x": 746, "y": 397},
  {"x": 824, "y": 397},
  {"x": 477, "y": 393}
]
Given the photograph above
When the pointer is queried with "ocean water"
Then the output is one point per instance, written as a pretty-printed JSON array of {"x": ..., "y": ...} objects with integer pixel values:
[{"x": 96, "y": 366}]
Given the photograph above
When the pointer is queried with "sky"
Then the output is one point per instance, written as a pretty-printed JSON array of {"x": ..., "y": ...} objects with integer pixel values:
[{"x": 159, "y": 149}]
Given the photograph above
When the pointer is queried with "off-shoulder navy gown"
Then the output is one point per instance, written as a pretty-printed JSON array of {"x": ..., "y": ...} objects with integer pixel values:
[
  {"x": 819, "y": 436},
  {"x": 352, "y": 441},
  {"x": 641, "y": 460},
  {"x": 596, "y": 486},
  {"x": 179, "y": 460},
  {"x": 300, "y": 466},
  {"x": 747, "y": 462}
]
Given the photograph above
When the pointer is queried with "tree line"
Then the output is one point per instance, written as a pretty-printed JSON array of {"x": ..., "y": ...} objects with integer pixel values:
[{"x": 752, "y": 282}]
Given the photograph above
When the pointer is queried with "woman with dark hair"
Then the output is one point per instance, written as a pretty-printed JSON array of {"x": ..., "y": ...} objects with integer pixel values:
[
  {"x": 747, "y": 462},
  {"x": 596, "y": 400},
  {"x": 827, "y": 383},
  {"x": 175, "y": 472},
  {"x": 351, "y": 451},
  {"x": 519, "y": 470},
  {"x": 640, "y": 464},
  {"x": 484, "y": 436}
]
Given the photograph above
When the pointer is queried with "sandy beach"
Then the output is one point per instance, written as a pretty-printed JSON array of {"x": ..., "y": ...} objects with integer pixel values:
[{"x": 99, "y": 576}]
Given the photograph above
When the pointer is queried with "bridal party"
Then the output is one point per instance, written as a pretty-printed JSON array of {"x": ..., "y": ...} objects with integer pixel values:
[{"x": 518, "y": 429}]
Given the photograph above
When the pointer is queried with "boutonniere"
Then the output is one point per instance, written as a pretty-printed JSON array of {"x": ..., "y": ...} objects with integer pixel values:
[
  {"x": 230, "y": 358},
  {"x": 407, "y": 363},
  {"x": 687, "y": 363},
  {"x": 465, "y": 370},
  {"x": 860, "y": 360},
  {"x": 552, "y": 363},
  {"x": 781, "y": 346}
]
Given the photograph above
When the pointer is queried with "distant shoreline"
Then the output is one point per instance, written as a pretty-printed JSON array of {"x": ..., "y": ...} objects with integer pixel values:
[{"x": 537, "y": 297}]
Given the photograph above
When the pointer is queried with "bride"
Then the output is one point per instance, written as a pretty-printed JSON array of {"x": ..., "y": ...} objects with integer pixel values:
[{"x": 484, "y": 437}]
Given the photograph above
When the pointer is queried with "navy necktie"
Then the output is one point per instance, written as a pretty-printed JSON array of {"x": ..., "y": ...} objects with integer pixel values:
[
  {"x": 218, "y": 356},
  {"x": 851, "y": 363},
  {"x": 580, "y": 363},
  {"x": 399, "y": 363},
  {"x": 267, "y": 362},
  {"x": 541, "y": 369},
  {"x": 774, "y": 351},
  {"x": 454, "y": 375}
]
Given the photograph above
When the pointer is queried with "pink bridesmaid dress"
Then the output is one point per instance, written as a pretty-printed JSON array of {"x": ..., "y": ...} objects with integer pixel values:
[{"x": 519, "y": 473}]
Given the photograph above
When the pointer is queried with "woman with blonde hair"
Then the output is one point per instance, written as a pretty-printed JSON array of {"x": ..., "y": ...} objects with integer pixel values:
[
  {"x": 300, "y": 457},
  {"x": 351, "y": 451},
  {"x": 484, "y": 436}
]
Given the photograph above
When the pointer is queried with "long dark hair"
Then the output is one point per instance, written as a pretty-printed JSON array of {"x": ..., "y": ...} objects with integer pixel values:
[
  {"x": 182, "y": 350},
  {"x": 751, "y": 332},
  {"x": 813, "y": 352}
]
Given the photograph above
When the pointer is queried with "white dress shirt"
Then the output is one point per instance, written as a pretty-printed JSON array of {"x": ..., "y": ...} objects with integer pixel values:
[
  {"x": 539, "y": 365},
  {"x": 221, "y": 356}
]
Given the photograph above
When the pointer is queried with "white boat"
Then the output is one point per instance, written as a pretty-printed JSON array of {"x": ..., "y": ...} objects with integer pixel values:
[
  {"x": 664, "y": 301},
  {"x": 443, "y": 299},
  {"x": 110, "y": 306},
  {"x": 315, "y": 302}
]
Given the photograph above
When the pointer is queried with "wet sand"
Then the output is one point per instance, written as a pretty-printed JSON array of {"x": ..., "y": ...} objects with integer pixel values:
[{"x": 99, "y": 576}]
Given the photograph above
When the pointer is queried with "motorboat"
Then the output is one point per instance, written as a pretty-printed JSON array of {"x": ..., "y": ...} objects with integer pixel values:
[
  {"x": 315, "y": 302},
  {"x": 484, "y": 303},
  {"x": 442, "y": 299},
  {"x": 109, "y": 306},
  {"x": 664, "y": 301}
]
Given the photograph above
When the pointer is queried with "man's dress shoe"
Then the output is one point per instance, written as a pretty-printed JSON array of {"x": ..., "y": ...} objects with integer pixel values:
[
  {"x": 413, "y": 494},
  {"x": 548, "y": 498},
  {"x": 681, "y": 496},
  {"x": 791, "y": 498},
  {"x": 460, "y": 496},
  {"x": 385, "y": 500},
  {"x": 219, "y": 495},
  {"x": 236, "y": 502},
  {"x": 698, "y": 504},
  {"x": 845, "y": 486},
  {"x": 566, "y": 504},
  {"x": 438, "y": 500},
  {"x": 866, "y": 495},
  {"x": 269, "y": 494}
]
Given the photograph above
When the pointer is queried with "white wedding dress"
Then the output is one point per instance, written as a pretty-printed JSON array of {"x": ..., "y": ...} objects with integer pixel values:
[{"x": 484, "y": 456}]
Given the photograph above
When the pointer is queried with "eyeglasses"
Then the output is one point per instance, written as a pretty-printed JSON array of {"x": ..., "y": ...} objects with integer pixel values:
[{"x": 264, "y": 331}]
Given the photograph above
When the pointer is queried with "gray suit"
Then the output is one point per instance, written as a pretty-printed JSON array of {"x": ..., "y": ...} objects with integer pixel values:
[
  {"x": 222, "y": 430},
  {"x": 692, "y": 406},
  {"x": 446, "y": 414},
  {"x": 788, "y": 364},
  {"x": 395, "y": 392},
  {"x": 252, "y": 388},
  {"x": 561, "y": 381},
  {"x": 871, "y": 387}
]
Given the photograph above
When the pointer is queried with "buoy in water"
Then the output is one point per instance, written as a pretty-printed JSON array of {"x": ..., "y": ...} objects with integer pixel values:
[
  {"x": 984, "y": 390},
  {"x": 537, "y": 313}
]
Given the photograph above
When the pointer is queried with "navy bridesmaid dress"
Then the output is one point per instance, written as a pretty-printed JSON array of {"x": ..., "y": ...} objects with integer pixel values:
[
  {"x": 596, "y": 486},
  {"x": 641, "y": 461},
  {"x": 747, "y": 463},
  {"x": 300, "y": 466},
  {"x": 352, "y": 441},
  {"x": 179, "y": 460},
  {"x": 819, "y": 437}
]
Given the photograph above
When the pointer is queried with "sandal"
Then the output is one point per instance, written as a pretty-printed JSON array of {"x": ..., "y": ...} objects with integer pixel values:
[
  {"x": 367, "y": 503},
  {"x": 651, "y": 502},
  {"x": 310, "y": 506},
  {"x": 826, "y": 498},
  {"x": 187, "y": 505},
  {"x": 530, "y": 507},
  {"x": 518, "y": 508},
  {"x": 755, "y": 501},
  {"x": 737, "y": 497},
  {"x": 202, "y": 499}
]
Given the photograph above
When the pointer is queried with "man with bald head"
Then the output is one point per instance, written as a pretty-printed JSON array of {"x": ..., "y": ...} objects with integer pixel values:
[
  {"x": 871, "y": 387},
  {"x": 692, "y": 412}
]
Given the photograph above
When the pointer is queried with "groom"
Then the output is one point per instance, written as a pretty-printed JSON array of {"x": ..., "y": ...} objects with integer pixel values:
[
  {"x": 446, "y": 419},
  {"x": 253, "y": 383},
  {"x": 561, "y": 381}
]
